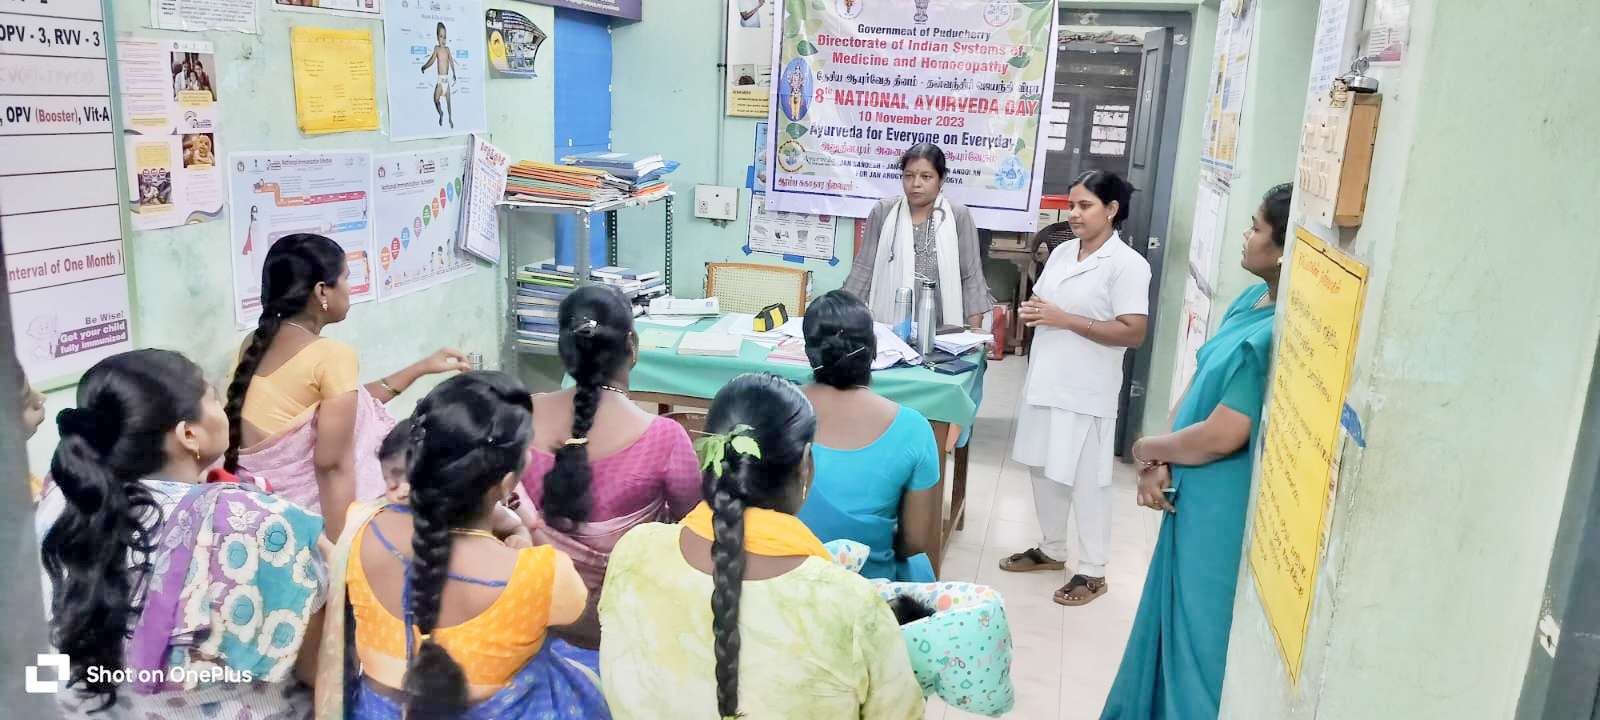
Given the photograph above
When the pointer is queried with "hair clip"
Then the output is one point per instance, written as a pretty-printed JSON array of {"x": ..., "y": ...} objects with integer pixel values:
[
  {"x": 576, "y": 442},
  {"x": 423, "y": 637},
  {"x": 587, "y": 327},
  {"x": 852, "y": 353}
]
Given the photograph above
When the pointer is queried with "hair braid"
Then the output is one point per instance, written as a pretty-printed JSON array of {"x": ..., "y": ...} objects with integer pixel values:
[
  {"x": 596, "y": 323},
  {"x": 249, "y": 362},
  {"x": 435, "y": 684},
  {"x": 728, "y": 562}
]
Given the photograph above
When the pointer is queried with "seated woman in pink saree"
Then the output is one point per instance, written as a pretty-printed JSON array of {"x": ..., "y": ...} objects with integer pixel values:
[
  {"x": 300, "y": 423},
  {"x": 600, "y": 465}
]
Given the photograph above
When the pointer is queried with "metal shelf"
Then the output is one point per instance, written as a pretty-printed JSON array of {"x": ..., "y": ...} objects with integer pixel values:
[{"x": 510, "y": 209}]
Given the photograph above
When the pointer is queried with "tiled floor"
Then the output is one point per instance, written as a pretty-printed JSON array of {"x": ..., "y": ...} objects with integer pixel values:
[{"x": 1065, "y": 657}]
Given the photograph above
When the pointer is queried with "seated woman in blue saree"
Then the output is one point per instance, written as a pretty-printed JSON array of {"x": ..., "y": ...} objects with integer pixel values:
[
  {"x": 877, "y": 464},
  {"x": 1199, "y": 476},
  {"x": 483, "y": 649},
  {"x": 202, "y": 595}
]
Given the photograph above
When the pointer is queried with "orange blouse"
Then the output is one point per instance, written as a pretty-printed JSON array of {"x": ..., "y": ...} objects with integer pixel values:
[{"x": 490, "y": 648}]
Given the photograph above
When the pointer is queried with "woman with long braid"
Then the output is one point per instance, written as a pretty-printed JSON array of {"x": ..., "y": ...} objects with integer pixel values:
[
  {"x": 174, "y": 598},
  {"x": 740, "y": 612},
  {"x": 450, "y": 621},
  {"x": 299, "y": 420},
  {"x": 601, "y": 465}
]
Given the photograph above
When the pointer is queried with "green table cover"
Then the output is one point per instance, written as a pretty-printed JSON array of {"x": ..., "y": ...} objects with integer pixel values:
[{"x": 946, "y": 398}]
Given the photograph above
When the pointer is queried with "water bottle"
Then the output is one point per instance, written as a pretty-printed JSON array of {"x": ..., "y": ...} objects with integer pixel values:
[
  {"x": 926, "y": 327},
  {"x": 475, "y": 361},
  {"x": 902, "y": 314}
]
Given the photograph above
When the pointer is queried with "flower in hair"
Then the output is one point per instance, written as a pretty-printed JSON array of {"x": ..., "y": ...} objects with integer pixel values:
[{"x": 713, "y": 448}]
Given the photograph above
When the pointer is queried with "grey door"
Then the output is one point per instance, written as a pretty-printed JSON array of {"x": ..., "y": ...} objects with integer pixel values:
[{"x": 1150, "y": 210}]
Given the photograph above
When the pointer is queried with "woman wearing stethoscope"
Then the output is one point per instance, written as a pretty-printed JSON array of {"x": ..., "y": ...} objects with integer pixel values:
[
  {"x": 921, "y": 235},
  {"x": 1090, "y": 304}
]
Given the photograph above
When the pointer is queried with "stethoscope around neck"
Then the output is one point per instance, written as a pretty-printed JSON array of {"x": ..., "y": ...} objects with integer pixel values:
[{"x": 934, "y": 220}]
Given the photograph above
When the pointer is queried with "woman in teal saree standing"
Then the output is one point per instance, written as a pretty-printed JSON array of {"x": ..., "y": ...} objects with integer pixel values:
[{"x": 1199, "y": 476}]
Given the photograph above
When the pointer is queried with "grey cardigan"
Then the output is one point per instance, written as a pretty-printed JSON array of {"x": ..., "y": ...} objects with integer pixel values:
[{"x": 975, "y": 297}]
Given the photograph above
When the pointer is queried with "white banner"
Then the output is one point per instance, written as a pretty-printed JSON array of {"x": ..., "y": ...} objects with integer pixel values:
[{"x": 858, "y": 83}]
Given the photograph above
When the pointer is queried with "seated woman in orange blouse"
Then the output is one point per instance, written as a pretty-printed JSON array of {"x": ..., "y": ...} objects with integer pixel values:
[{"x": 450, "y": 620}]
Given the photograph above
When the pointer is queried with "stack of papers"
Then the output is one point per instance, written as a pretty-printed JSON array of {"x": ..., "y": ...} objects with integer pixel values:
[
  {"x": 744, "y": 325},
  {"x": 962, "y": 342},
  {"x": 700, "y": 307},
  {"x": 641, "y": 172},
  {"x": 791, "y": 351},
  {"x": 674, "y": 321},
  {"x": 710, "y": 344},
  {"x": 656, "y": 339}
]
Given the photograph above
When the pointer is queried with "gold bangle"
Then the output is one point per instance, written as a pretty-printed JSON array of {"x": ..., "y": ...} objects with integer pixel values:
[{"x": 384, "y": 383}]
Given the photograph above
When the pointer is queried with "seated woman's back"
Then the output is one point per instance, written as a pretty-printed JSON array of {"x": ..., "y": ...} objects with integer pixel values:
[
  {"x": 815, "y": 642},
  {"x": 877, "y": 463},
  {"x": 601, "y": 465},
  {"x": 740, "y": 611},
  {"x": 494, "y": 609}
]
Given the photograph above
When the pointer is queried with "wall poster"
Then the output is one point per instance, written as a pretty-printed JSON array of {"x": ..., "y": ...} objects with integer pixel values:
[
  {"x": 1230, "y": 69},
  {"x": 858, "y": 82},
  {"x": 372, "y": 9},
  {"x": 1311, "y": 363},
  {"x": 335, "y": 84},
  {"x": 513, "y": 42},
  {"x": 196, "y": 15},
  {"x": 436, "y": 58},
  {"x": 169, "y": 102},
  {"x": 1199, "y": 289},
  {"x": 274, "y": 194},
  {"x": 795, "y": 236},
  {"x": 59, "y": 211},
  {"x": 480, "y": 213},
  {"x": 625, "y": 9},
  {"x": 749, "y": 60},
  {"x": 418, "y": 219}
]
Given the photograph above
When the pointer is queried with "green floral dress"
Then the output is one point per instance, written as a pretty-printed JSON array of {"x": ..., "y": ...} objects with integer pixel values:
[{"x": 816, "y": 642}]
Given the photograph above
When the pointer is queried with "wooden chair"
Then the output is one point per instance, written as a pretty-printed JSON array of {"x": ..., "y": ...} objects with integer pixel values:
[
  {"x": 693, "y": 421},
  {"x": 748, "y": 287}
]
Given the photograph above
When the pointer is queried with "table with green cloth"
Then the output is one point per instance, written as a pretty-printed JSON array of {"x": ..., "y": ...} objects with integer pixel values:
[{"x": 949, "y": 402}]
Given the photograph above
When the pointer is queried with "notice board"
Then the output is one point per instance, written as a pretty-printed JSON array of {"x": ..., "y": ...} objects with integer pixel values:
[{"x": 1311, "y": 371}]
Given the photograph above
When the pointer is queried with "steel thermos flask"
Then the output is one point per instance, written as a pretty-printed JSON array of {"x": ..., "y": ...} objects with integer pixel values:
[
  {"x": 926, "y": 327},
  {"x": 902, "y": 314}
]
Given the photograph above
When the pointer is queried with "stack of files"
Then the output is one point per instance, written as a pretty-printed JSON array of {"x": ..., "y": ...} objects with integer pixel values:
[
  {"x": 642, "y": 172},
  {"x": 540, "y": 289},
  {"x": 791, "y": 351},
  {"x": 962, "y": 342},
  {"x": 710, "y": 344},
  {"x": 548, "y": 183},
  {"x": 631, "y": 282}
]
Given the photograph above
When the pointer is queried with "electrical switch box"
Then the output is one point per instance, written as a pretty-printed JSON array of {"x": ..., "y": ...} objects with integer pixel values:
[
  {"x": 1336, "y": 157},
  {"x": 714, "y": 202}
]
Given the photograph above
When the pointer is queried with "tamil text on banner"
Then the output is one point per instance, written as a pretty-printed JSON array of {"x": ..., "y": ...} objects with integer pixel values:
[
  {"x": 858, "y": 82},
  {"x": 58, "y": 195},
  {"x": 1311, "y": 372},
  {"x": 171, "y": 125},
  {"x": 274, "y": 195},
  {"x": 749, "y": 60}
]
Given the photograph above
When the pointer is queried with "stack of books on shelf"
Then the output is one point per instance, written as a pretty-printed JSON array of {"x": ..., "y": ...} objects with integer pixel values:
[
  {"x": 643, "y": 173},
  {"x": 532, "y": 181},
  {"x": 540, "y": 289},
  {"x": 639, "y": 287}
]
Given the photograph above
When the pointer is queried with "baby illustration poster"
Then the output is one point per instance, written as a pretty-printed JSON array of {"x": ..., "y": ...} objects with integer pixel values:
[
  {"x": 418, "y": 216},
  {"x": 436, "y": 56},
  {"x": 273, "y": 195}
]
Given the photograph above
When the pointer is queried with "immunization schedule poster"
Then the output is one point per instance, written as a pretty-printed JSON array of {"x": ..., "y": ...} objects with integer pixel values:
[
  {"x": 858, "y": 83},
  {"x": 418, "y": 211},
  {"x": 276, "y": 194}
]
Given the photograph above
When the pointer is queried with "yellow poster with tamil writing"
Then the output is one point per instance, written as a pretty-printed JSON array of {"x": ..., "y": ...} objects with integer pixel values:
[
  {"x": 1311, "y": 362},
  {"x": 335, "y": 86}
]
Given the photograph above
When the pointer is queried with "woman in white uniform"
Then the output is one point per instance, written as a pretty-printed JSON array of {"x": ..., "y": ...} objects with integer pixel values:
[{"x": 1090, "y": 304}]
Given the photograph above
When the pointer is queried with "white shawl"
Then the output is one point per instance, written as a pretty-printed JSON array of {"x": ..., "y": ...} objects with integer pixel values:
[{"x": 895, "y": 267}]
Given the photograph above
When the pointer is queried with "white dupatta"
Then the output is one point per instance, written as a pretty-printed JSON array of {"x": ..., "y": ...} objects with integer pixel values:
[{"x": 895, "y": 266}]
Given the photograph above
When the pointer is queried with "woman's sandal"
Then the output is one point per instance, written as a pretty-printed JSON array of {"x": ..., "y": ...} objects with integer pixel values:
[
  {"x": 1080, "y": 590},
  {"x": 1030, "y": 560}
]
